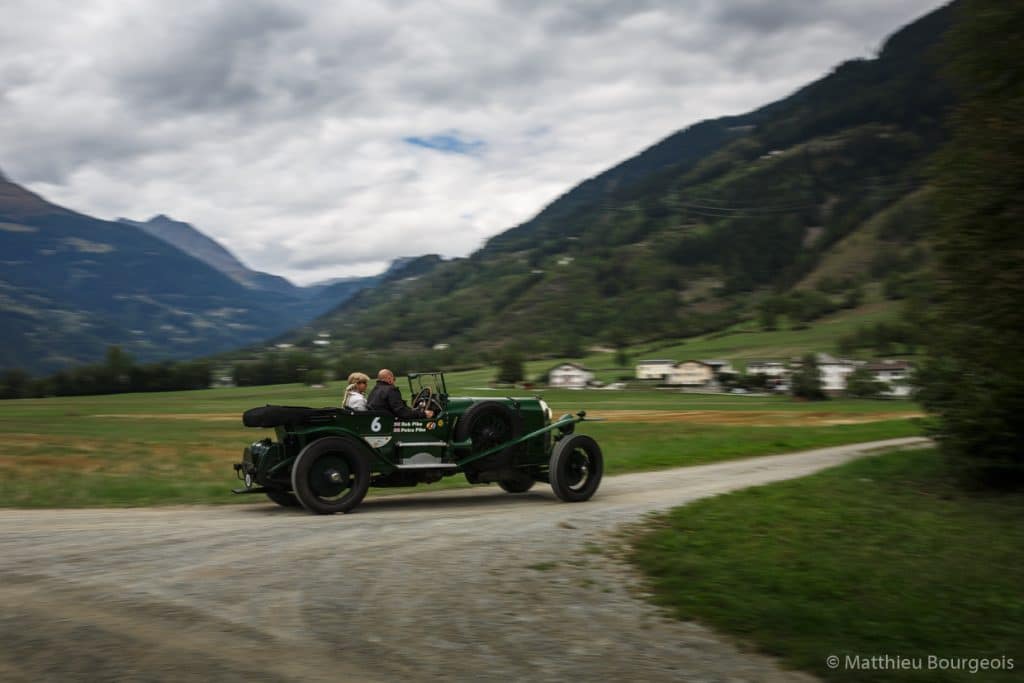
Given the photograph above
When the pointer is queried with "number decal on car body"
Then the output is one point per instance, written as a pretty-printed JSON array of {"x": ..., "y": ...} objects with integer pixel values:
[{"x": 375, "y": 425}]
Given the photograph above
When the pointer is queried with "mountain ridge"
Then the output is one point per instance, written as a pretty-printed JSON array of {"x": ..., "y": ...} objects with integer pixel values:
[
  {"x": 196, "y": 243},
  {"x": 698, "y": 230},
  {"x": 73, "y": 285}
]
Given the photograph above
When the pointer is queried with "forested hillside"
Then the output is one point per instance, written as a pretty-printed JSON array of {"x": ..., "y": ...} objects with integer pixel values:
[{"x": 795, "y": 207}]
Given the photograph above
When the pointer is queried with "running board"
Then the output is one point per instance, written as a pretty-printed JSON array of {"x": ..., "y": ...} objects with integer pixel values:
[{"x": 429, "y": 466}]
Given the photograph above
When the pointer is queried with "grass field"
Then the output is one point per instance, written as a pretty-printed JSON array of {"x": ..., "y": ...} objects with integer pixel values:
[
  {"x": 883, "y": 556},
  {"x": 140, "y": 449}
]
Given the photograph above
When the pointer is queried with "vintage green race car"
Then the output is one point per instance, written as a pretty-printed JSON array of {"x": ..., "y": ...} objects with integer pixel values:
[{"x": 325, "y": 459}]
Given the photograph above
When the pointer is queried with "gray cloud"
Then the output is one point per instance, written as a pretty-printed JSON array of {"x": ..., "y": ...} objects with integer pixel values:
[{"x": 323, "y": 139}]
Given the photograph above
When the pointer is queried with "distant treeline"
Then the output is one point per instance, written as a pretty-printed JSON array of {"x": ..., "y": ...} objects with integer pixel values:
[{"x": 119, "y": 373}]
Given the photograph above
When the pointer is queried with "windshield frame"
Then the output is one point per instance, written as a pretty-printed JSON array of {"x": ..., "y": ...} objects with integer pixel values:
[{"x": 431, "y": 378}]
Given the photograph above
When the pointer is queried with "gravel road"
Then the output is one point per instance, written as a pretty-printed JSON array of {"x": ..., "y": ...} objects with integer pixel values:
[{"x": 471, "y": 584}]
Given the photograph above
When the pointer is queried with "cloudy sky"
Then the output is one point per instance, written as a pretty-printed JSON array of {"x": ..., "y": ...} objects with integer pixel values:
[{"x": 318, "y": 139}]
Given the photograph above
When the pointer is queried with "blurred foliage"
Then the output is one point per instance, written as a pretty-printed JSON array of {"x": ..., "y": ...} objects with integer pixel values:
[
  {"x": 805, "y": 382},
  {"x": 974, "y": 377},
  {"x": 861, "y": 383},
  {"x": 510, "y": 369}
]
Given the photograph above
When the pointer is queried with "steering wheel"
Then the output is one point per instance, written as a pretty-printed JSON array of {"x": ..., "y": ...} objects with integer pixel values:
[
  {"x": 422, "y": 398},
  {"x": 426, "y": 400}
]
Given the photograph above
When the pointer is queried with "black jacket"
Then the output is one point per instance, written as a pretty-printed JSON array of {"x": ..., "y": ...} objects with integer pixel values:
[{"x": 388, "y": 398}]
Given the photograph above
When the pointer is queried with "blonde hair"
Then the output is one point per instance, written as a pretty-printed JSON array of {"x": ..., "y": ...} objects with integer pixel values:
[{"x": 353, "y": 380}]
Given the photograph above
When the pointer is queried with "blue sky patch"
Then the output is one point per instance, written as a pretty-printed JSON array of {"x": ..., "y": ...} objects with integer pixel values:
[{"x": 449, "y": 143}]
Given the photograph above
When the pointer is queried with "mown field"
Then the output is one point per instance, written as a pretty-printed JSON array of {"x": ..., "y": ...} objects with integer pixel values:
[{"x": 142, "y": 449}]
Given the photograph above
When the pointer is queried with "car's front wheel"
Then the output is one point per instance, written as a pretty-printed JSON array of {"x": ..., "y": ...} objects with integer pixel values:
[
  {"x": 575, "y": 468},
  {"x": 331, "y": 475}
]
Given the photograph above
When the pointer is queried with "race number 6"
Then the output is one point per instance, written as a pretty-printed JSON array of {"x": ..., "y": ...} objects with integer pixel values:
[{"x": 375, "y": 425}]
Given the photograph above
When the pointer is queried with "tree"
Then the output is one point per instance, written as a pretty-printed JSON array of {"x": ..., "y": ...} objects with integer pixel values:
[
  {"x": 861, "y": 383},
  {"x": 973, "y": 377},
  {"x": 314, "y": 376},
  {"x": 806, "y": 381},
  {"x": 15, "y": 384},
  {"x": 510, "y": 368}
]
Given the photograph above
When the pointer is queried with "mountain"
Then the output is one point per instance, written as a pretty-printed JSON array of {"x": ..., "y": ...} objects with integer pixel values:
[
  {"x": 312, "y": 300},
  {"x": 71, "y": 285},
  {"x": 802, "y": 205},
  {"x": 191, "y": 241}
]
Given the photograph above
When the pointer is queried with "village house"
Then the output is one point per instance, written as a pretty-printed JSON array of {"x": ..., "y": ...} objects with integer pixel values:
[
  {"x": 776, "y": 372},
  {"x": 570, "y": 376},
  {"x": 691, "y": 373},
  {"x": 654, "y": 369},
  {"x": 895, "y": 374},
  {"x": 771, "y": 368},
  {"x": 833, "y": 372},
  {"x": 721, "y": 368}
]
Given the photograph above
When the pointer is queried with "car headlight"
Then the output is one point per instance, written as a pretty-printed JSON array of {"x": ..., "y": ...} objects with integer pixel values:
[{"x": 546, "y": 408}]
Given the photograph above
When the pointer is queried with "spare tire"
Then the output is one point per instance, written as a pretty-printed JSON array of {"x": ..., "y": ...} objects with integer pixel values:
[{"x": 488, "y": 424}]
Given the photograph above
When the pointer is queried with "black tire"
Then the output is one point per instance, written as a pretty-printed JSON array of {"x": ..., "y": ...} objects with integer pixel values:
[
  {"x": 576, "y": 467},
  {"x": 516, "y": 485},
  {"x": 331, "y": 475},
  {"x": 284, "y": 499},
  {"x": 488, "y": 424}
]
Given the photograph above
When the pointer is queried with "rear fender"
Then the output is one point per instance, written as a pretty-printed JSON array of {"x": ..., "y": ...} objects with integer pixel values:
[{"x": 379, "y": 442}]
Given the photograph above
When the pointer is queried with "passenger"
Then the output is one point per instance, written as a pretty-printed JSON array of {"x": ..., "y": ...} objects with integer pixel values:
[
  {"x": 355, "y": 392},
  {"x": 387, "y": 397}
]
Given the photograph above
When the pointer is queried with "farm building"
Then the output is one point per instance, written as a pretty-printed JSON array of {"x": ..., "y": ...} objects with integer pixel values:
[
  {"x": 895, "y": 374},
  {"x": 654, "y": 369},
  {"x": 771, "y": 368},
  {"x": 691, "y": 373},
  {"x": 833, "y": 372},
  {"x": 570, "y": 376}
]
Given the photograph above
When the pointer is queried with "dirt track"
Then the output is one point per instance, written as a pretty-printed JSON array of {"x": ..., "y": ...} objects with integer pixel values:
[{"x": 457, "y": 585}]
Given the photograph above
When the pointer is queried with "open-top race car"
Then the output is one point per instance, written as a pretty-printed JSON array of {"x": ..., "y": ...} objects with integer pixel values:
[{"x": 325, "y": 459}]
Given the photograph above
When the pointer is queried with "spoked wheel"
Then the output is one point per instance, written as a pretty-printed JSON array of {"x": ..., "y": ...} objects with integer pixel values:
[
  {"x": 331, "y": 475},
  {"x": 576, "y": 467},
  {"x": 284, "y": 499}
]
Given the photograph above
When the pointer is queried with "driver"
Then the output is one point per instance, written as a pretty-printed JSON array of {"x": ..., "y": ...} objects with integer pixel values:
[{"x": 387, "y": 397}]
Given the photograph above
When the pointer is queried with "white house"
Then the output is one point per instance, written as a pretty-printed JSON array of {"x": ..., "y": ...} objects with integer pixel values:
[
  {"x": 691, "y": 373},
  {"x": 833, "y": 372},
  {"x": 720, "y": 367},
  {"x": 570, "y": 376},
  {"x": 771, "y": 368},
  {"x": 895, "y": 374},
  {"x": 654, "y": 369}
]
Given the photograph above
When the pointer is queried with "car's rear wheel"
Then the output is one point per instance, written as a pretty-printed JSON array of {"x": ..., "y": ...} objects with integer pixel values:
[
  {"x": 284, "y": 499},
  {"x": 575, "y": 468},
  {"x": 331, "y": 475},
  {"x": 516, "y": 484}
]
